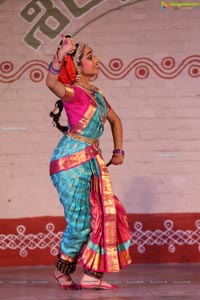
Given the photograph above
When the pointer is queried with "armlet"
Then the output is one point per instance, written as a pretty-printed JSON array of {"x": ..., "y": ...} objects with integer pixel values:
[{"x": 69, "y": 93}]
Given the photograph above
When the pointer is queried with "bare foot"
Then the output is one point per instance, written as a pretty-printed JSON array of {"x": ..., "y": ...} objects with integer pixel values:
[
  {"x": 65, "y": 281},
  {"x": 89, "y": 282}
]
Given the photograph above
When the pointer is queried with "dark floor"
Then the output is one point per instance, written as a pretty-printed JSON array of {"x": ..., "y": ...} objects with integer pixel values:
[{"x": 137, "y": 282}]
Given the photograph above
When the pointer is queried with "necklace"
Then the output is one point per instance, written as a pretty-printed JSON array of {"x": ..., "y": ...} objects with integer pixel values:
[
  {"x": 91, "y": 92},
  {"x": 89, "y": 89}
]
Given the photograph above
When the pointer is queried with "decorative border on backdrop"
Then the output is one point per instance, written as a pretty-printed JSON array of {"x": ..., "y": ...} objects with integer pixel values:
[
  {"x": 141, "y": 67},
  {"x": 156, "y": 238},
  {"x": 168, "y": 236}
]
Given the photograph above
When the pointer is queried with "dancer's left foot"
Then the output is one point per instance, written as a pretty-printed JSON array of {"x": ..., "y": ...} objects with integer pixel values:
[
  {"x": 65, "y": 281},
  {"x": 89, "y": 282}
]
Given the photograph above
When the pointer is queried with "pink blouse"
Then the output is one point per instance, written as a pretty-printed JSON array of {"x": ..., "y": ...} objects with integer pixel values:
[{"x": 77, "y": 106}]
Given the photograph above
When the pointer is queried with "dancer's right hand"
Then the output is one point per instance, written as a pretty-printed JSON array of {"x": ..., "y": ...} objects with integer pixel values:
[{"x": 67, "y": 47}]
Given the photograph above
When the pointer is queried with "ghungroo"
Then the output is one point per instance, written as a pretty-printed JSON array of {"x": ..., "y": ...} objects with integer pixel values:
[
  {"x": 64, "y": 266},
  {"x": 97, "y": 275}
]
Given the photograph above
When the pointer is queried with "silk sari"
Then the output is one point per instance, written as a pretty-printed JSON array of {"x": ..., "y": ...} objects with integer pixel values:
[{"x": 97, "y": 232}]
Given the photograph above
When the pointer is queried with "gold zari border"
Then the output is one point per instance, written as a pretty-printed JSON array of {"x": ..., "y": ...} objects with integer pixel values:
[{"x": 73, "y": 160}]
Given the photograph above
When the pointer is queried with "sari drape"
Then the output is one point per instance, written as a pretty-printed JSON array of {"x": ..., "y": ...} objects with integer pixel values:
[{"x": 97, "y": 232}]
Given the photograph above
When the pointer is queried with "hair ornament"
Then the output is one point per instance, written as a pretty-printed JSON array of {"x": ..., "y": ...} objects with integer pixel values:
[
  {"x": 78, "y": 54},
  {"x": 68, "y": 71}
]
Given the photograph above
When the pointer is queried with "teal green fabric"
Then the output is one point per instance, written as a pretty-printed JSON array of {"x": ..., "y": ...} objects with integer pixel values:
[{"x": 73, "y": 185}]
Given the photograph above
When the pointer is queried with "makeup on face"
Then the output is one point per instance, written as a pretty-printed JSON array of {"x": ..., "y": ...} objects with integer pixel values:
[{"x": 89, "y": 61}]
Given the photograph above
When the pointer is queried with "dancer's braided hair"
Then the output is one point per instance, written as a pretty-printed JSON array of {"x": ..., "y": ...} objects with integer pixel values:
[{"x": 56, "y": 113}]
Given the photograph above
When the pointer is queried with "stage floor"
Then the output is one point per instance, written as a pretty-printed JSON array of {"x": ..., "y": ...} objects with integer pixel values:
[{"x": 137, "y": 282}]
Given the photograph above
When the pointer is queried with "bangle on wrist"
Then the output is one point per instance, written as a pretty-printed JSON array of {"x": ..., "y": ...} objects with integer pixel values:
[
  {"x": 119, "y": 151},
  {"x": 52, "y": 70}
]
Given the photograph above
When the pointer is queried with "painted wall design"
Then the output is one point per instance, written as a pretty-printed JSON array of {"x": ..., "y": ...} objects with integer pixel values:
[
  {"x": 140, "y": 67},
  {"x": 52, "y": 21},
  {"x": 24, "y": 242},
  {"x": 149, "y": 72},
  {"x": 36, "y": 241}
]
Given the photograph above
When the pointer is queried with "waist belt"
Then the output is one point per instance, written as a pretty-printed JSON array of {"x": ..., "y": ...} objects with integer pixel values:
[{"x": 83, "y": 138}]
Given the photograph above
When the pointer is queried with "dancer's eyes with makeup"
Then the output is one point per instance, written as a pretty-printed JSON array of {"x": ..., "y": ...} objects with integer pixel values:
[{"x": 89, "y": 57}]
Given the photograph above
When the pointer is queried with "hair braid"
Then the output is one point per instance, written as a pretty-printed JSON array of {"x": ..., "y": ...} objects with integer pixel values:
[{"x": 56, "y": 113}]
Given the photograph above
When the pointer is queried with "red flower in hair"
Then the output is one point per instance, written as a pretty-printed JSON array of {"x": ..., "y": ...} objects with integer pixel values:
[{"x": 68, "y": 71}]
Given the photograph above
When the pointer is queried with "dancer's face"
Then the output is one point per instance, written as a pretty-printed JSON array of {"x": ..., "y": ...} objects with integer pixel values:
[{"x": 89, "y": 62}]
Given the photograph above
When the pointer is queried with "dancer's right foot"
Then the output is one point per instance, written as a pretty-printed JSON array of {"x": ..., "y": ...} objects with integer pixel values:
[{"x": 89, "y": 282}]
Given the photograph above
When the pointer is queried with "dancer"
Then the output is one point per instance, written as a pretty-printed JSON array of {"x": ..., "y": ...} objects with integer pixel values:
[{"x": 97, "y": 234}]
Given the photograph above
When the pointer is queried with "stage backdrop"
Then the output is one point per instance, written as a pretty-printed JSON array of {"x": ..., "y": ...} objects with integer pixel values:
[{"x": 149, "y": 72}]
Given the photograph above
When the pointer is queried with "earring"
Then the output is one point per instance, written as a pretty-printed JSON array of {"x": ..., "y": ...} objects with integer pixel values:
[{"x": 78, "y": 75}]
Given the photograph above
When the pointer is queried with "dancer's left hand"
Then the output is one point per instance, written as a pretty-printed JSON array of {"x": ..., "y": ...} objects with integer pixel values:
[{"x": 116, "y": 160}]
